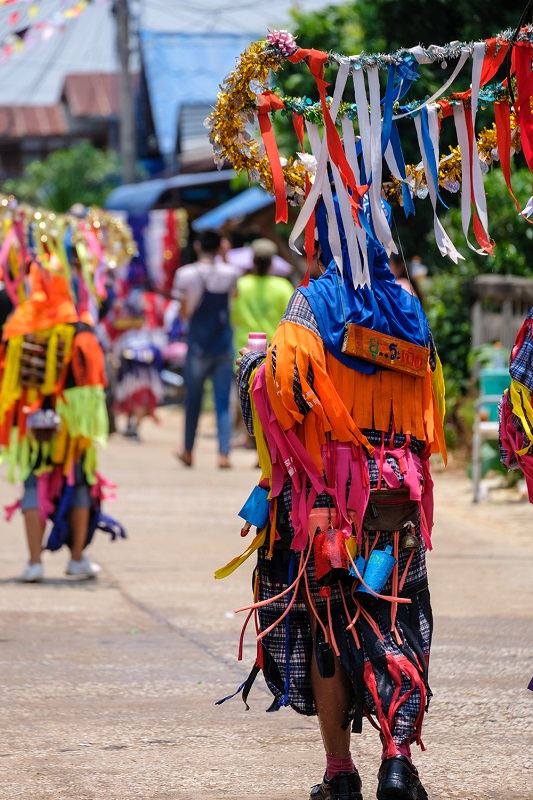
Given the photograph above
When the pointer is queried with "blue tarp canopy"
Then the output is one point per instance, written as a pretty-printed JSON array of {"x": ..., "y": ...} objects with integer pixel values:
[
  {"x": 136, "y": 198},
  {"x": 247, "y": 202},
  {"x": 185, "y": 69}
]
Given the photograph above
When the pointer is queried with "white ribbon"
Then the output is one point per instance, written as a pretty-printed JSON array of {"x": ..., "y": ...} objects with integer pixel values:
[
  {"x": 466, "y": 172},
  {"x": 321, "y": 176},
  {"x": 444, "y": 243},
  {"x": 334, "y": 237},
  {"x": 350, "y": 149},
  {"x": 370, "y": 127}
]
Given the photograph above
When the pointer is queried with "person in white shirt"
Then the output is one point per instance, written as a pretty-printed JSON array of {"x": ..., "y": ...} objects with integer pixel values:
[{"x": 203, "y": 290}]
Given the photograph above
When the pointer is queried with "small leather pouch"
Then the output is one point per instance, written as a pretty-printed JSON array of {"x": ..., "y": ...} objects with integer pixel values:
[{"x": 390, "y": 510}]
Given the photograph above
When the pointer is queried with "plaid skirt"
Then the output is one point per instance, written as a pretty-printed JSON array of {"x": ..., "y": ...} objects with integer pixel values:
[{"x": 386, "y": 663}]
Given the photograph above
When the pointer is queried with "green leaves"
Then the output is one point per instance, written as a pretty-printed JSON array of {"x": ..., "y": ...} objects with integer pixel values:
[{"x": 82, "y": 174}]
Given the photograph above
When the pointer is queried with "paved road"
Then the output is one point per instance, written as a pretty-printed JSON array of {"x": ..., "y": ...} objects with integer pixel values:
[{"x": 108, "y": 687}]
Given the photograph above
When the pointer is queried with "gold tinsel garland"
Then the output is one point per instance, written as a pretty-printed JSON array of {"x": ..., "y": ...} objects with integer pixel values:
[
  {"x": 236, "y": 109},
  {"x": 43, "y": 228},
  {"x": 450, "y": 165}
]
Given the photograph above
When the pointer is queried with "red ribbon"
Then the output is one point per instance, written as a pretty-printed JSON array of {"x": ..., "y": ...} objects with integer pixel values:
[
  {"x": 522, "y": 54},
  {"x": 10, "y": 510},
  {"x": 267, "y": 102},
  {"x": 479, "y": 231},
  {"x": 493, "y": 60},
  {"x": 502, "y": 118}
]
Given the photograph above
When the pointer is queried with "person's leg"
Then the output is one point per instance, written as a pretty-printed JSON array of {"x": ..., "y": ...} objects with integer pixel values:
[
  {"x": 79, "y": 518},
  {"x": 34, "y": 527},
  {"x": 79, "y": 526},
  {"x": 222, "y": 377},
  {"x": 332, "y": 699},
  {"x": 34, "y": 534},
  {"x": 196, "y": 370}
]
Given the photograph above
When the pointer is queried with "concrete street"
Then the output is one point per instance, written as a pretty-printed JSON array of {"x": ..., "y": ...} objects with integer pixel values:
[{"x": 108, "y": 687}]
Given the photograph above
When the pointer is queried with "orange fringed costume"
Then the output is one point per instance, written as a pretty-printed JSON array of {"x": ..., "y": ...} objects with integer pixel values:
[
  {"x": 334, "y": 441},
  {"x": 51, "y": 360}
]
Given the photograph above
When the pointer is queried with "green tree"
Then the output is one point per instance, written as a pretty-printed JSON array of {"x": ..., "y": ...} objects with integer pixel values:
[
  {"x": 389, "y": 25},
  {"x": 374, "y": 26},
  {"x": 449, "y": 299},
  {"x": 513, "y": 234},
  {"x": 83, "y": 174}
]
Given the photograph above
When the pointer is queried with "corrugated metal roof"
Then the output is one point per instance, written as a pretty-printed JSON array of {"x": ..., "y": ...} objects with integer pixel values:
[
  {"x": 18, "y": 122},
  {"x": 185, "y": 68},
  {"x": 92, "y": 95},
  {"x": 35, "y": 76}
]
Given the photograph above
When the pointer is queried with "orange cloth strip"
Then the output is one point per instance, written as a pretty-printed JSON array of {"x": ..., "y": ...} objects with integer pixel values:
[{"x": 342, "y": 400}]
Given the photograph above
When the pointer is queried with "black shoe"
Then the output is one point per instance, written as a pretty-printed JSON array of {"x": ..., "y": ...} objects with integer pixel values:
[
  {"x": 343, "y": 786},
  {"x": 398, "y": 780}
]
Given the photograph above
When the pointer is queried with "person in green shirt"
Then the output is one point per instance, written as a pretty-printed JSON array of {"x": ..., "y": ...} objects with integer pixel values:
[{"x": 261, "y": 299}]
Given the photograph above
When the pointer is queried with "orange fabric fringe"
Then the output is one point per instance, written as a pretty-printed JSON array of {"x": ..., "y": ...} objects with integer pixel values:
[{"x": 343, "y": 400}]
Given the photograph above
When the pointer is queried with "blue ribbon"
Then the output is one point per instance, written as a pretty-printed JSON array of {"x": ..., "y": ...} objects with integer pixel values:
[
  {"x": 408, "y": 205},
  {"x": 430, "y": 153},
  {"x": 285, "y": 700}
]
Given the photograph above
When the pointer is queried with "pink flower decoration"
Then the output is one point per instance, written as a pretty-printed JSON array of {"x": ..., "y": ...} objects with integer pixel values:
[{"x": 283, "y": 40}]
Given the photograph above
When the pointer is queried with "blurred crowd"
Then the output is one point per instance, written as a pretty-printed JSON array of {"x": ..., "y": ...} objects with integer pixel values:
[{"x": 156, "y": 338}]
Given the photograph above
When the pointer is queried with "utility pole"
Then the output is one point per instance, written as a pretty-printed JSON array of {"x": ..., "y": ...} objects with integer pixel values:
[{"x": 126, "y": 109}]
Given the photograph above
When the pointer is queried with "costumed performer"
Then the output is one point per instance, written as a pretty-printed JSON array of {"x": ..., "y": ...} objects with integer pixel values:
[
  {"x": 52, "y": 416},
  {"x": 516, "y": 411},
  {"x": 346, "y": 407},
  {"x": 137, "y": 329}
]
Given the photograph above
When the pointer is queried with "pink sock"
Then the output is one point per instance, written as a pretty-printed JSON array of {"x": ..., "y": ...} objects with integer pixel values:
[
  {"x": 403, "y": 749},
  {"x": 335, "y": 765}
]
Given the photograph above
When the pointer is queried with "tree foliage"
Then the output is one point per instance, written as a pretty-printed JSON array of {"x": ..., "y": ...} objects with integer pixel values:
[
  {"x": 449, "y": 299},
  {"x": 83, "y": 174},
  {"x": 376, "y": 26},
  {"x": 389, "y": 25}
]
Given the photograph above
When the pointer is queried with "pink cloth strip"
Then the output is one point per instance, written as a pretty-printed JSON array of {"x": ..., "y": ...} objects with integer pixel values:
[{"x": 9, "y": 511}]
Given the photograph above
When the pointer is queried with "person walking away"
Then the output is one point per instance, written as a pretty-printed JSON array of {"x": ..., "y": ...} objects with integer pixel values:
[
  {"x": 261, "y": 298},
  {"x": 344, "y": 447},
  {"x": 203, "y": 290}
]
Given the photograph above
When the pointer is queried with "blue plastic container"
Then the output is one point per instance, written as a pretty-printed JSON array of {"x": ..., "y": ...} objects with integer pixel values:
[
  {"x": 255, "y": 510},
  {"x": 493, "y": 382},
  {"x": 379, "y": 567},
  {"x": 360, "y": 564}
]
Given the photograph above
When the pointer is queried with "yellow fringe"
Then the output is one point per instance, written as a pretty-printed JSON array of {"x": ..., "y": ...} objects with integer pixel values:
[
  {"x": 10, "y": 388},
  {"x": 520, "y": 398},
  {"x": 258, "y": 542}
]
